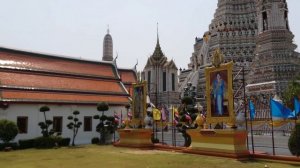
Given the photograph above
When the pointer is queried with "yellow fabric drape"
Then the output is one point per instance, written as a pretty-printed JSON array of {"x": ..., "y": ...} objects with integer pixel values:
[{"x": 156, "y": 114}]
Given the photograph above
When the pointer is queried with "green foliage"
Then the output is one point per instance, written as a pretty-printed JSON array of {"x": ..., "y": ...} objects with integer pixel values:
[
  {"x": 64, "y": 142},
  {"x": 95, "y": 140},
  {"x": 74, "y": 125},
  {"x": 103, "y": 106},
  {"x": 111, "y": 118},
  {"x": 96, "y": 117},
  {"x": 13, "y": 145},
  {"x": 294, "y": 141},
  {"x": 26, "y": 143},
  {"x": 106, "y": 125},
  {"x": 187, "y": 100},
  {"x": 76, "y": 112},
  {"x": 127, "y": 106},
  {"x": 49, "y": 122},
  {"x": 45, "y": 142},
  {"x": 103, "y": 118},
  {"x": 187, "y": 114},
  {"x": 8, "y": 130},
  {"x": 44, "y": 109},
  {"x": 182, "y": 118},
  {"x": 293, "y": 90},
  {"x": 45, "y": 125}
]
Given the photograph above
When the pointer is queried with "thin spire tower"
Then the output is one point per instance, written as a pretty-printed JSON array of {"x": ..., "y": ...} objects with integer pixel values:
[
  {"x": 107, "y": 47},
  {"x": 157, "y": 33}
]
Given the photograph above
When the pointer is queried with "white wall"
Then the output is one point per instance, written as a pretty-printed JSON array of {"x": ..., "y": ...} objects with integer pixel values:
[{"x": 34, "y": 117}]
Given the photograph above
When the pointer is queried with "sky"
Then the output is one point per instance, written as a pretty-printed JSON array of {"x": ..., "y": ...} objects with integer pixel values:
[{"x": 76, "y": 28}]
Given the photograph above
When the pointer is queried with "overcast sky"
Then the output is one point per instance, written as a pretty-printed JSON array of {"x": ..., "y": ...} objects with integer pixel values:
[{"x": 76, "y": 28}]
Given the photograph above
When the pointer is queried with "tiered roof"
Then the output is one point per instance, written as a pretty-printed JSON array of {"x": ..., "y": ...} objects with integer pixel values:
[
  {"x": 158, "y": 58},
  {"x": 42, "y": 78}
]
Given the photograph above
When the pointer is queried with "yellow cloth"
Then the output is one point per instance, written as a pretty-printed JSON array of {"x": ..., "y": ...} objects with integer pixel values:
[
  {"x": 174, "y": 112},
  {"x": 156, "y": 114}
]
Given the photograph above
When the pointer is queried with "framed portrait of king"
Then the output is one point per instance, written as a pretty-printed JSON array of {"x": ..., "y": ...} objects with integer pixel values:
[
  {"x": 139, "y": 101},
  {"x": 219, "y": 94}
]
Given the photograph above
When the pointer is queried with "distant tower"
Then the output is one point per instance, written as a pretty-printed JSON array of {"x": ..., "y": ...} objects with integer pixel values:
[
  {"x": 276, "y": 63},
  {"x": 107, "y": 47}
]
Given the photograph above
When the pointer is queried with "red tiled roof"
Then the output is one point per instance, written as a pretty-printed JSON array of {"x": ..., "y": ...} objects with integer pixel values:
[
  {"x": 57, "y": 82},
  {"x": 30, "y": 77},
  {"x": 32, "y": 61},
  {"x": 128, "y": 76}
]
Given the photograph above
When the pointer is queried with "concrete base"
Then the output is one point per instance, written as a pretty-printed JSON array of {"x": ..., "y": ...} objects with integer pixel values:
[
  {"x": 227, "y": 143},
  {"x": 137, "y": 138}
]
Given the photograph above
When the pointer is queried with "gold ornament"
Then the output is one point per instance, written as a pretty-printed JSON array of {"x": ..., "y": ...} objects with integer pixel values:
[{"x": 218, "y": 58}]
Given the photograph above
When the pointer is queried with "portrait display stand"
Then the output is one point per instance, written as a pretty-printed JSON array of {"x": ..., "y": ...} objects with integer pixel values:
[
  {"x": 219, "y": 94},
  {"x": 135, "y": 135},
  {"x": 227, "y": 142}
]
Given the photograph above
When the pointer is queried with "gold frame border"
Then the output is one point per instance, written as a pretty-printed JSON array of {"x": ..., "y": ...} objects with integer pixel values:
[
  {"x": 208, "y": 71},
  {"x": 137, "y": 121}
]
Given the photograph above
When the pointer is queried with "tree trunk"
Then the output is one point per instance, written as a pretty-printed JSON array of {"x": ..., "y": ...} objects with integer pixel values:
[
  {"x": 47, "y": 133},
  {"x": 73, "y": 141}
]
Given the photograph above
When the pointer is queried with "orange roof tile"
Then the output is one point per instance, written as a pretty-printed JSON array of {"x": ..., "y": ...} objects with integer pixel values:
[
  {"x": 32, "y": 61},
  {"x": 21, "y": 96},
  {"x": 127, "y": 76},
  {"x": 58, "y": 82},
  {"x": 31, "y": 77}
]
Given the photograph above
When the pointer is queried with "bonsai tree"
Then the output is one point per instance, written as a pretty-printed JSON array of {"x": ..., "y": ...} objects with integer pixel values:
[
  {"x": 103, "y": 106},
  {"x": 294, "y": 141},
  {"x": 8, "y": 130},
  {"x": 74, "y": 125},
  {"x": 45, "y": 125},
  {"x": 187, "y": 114}
]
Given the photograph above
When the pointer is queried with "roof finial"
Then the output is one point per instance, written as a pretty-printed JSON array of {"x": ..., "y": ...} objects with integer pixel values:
[
  {"x": 157, "y": 32},
  {"x": 108, "y": 29},
  {"x": 116, "y": 57},
  {"x": 135, "y": 66}
]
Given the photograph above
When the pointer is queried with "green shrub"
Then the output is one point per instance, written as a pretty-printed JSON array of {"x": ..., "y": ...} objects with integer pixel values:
[
  {"x": 26, "y": 143},
  {"x": 95, "y": 140},
  {"x": 294, "y": 141},
  {"x": 64, "y": 142},
  {"x": 105, "y": 126},
  {"x": 8, "y": 130},
  {"x": 102, "y": 106},
  {"x": 45, "y": 125},
  {"x": 45, "y": 142},
  {"x": 13, "y": 145}
]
